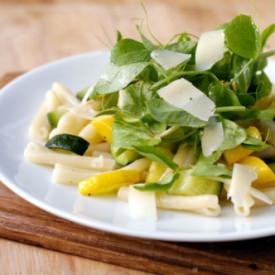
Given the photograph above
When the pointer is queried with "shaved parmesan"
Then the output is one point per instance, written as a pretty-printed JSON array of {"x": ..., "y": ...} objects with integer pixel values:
[
  {"x": 182, "y": 94},
  {"x": 212, "y": 137},
  {"x": 169, "y": 59},
  {"x": 240, "y": 187},
  {"x": 210, "y": 49},
  {"x": 142, "y": 205}
]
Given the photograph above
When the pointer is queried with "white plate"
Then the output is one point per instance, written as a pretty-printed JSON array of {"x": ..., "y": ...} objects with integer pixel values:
[{"x": 18, "y": 103}]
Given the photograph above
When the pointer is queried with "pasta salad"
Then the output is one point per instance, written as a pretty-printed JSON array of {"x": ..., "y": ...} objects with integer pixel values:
[{"x": 185, "y": 125}]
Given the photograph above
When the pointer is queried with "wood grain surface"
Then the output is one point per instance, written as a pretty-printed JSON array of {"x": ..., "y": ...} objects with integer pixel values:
[
  {"x": 36, "y": 32},
  {"x": 33, "y": 32},
  {"x": 18, "y": 258},
  {"x": 21, "y": 221}
]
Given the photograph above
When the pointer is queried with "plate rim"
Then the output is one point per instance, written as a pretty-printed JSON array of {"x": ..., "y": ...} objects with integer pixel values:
[{"x": 111, "y": 228}]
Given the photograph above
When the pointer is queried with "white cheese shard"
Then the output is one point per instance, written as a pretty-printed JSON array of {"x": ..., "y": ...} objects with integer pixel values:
[
  {"x": 182, "y": 94},
  {"x": 212, "y": 137},
  {"x": 239, "y": 189},
  {"x": 169, "y": 59},
  {"x": 210, "y": 49},
  {"x": 142, "y": 205}
]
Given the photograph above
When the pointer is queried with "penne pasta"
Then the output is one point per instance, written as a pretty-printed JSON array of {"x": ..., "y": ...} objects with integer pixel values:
[
  {"x": 85, "y": 111},
  {"x": 89, "y": 133},
  {"x": 39, "y": 154},
  {"x": 40, "y": 128},
  {"x": 52, "y": 101},
  {"x": 269, "y": 192},
  {"x": 64, "y": 94},
  {"x": 202, "y": 204},
  {"x": 100, "y": 153},
  {"x": 102, "y": 147},
  {"x": 69, "y": 124},
  {"x": 71, "y": 175}
]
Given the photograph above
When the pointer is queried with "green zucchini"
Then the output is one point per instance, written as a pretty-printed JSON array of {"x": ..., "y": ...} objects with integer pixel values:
[
  {"x": 126, "y": 157},
  {"x": 66, "y": 142},
  {"x": 189, "y": 185},
  {"x": 80, "y": 94},
  {"x": 54, "y": 117}
]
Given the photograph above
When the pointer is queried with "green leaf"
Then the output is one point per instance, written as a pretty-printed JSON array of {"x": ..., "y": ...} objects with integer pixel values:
[
  {"x": 262, "y": 85},
  {"x": 222, "y": 95},
  {"x": 178, "y": 135},
  {"x": 129, "y": 135},
  {"x": 166, "y": 113},
  {"x": 183, "y": 44},
  {"x": 206, "y": 167},
  {"x": 234, "y": 135},
  {"x": 266, "y": 114},
  {"x": 243, "y": 71},
  {"x": 109, "y": 111},
  {"x": 156, "y": 154},
  {"x": 128, "y": 51},
  {"x": 146, "y": 42},
  {"x": 254, "y": 144},
  {"x": 118, "y": 36},
  {"x": 109, "y": 101},
  {"x": 131, "y": 99},
  {"x": 267, "y": 32},
  {"x": 222, "y": 69},
  {"x": 162, "y": 186},
  {"x": 116, "y": 78},
  {"x": 243, "y": 37},
  {"x": 202, "y": 82}
]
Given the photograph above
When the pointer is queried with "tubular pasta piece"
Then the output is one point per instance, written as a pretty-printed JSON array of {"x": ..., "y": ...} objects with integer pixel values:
[
  {"x": 40, "y": 128},
  {"x": 203, "y": 204},
  {"x": 52, "y": 101},
  {"x": 39, "y": 154},
  {"x": 89, "y": 133},
  {"x": 103, "y": 147},
  {"x": 69, "y": 124},
  {"x": 64, "y": 94},
  {"x": 270, "y": 192},
  {"x": 71, "y": 175},
  {"x": 100, "y": 153}
]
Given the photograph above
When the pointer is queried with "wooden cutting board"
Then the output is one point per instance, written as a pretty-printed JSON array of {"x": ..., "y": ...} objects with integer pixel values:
[{"x": 23, "y": 222}]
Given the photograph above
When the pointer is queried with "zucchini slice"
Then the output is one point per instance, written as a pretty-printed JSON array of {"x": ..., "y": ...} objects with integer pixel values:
[
  {"x": 126, "y": 157},
  {"x": 189, "y": 185},
  {"x": 54, "y": 117},
  {"x": 66, "y": 142},
  {"x": 80, "y": 94}
]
